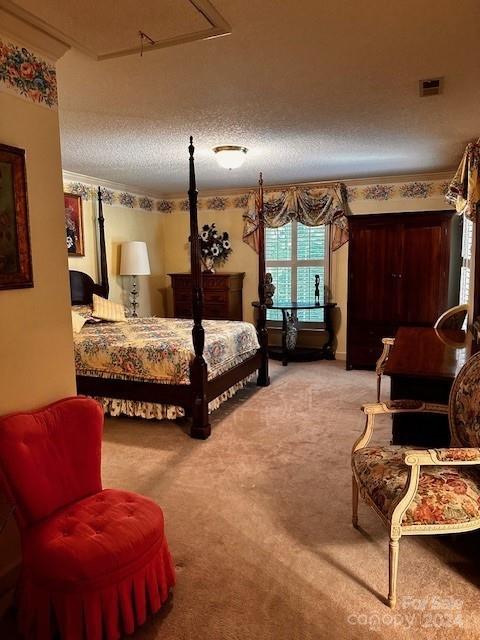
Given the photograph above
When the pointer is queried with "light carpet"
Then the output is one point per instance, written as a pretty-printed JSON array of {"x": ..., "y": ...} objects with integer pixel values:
[{"x": 258, "y": 520}]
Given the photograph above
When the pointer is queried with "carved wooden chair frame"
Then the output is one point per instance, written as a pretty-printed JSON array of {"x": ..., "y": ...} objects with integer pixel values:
[{"x": 459, "y": 310}]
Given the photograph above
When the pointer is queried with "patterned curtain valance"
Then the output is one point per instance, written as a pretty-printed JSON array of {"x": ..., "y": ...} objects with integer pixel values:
[
  {"x": 311, "y": 207},
  {"x": 464, "y": 190}
]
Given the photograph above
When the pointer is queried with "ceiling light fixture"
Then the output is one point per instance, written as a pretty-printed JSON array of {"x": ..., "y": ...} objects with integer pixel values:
[{"x": 230, "y": 156}]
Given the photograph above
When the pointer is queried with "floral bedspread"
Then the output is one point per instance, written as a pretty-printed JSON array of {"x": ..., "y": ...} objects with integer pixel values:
[{"x": 160, "y": 349}]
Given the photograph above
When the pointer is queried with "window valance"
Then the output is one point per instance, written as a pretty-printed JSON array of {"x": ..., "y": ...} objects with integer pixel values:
[
  {"x": 464, "y": 190},
  {"x": 311, "y": 207}
]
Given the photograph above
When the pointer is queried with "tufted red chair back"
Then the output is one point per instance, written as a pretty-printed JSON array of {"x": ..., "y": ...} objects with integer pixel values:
[{"x": 51, "y": 458}]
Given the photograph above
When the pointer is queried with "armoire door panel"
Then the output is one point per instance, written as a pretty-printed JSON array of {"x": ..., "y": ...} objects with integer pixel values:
[
  {"x": 372, "y": 265},
  {"x": 424, "y": 273},
  {"x": 398, "y": 275}
]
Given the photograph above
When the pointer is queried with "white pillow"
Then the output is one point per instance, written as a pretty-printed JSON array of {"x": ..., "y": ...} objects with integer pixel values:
[
  {"x": 77, "y": 322},
  {"x": 107, "y": 310}
]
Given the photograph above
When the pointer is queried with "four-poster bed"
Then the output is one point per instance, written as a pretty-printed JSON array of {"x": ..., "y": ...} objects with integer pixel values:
[{"x": 193, "y": 396}]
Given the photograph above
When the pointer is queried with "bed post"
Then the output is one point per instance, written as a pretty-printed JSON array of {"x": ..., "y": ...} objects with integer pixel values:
[
  {"x": 103, "y": 252},
  {"x": 198, "y": 369},
  {"x": 263, "y": 379}
]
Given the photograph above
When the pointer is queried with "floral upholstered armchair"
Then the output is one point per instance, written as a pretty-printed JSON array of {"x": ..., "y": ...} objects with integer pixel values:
[{"x": 418, "y": 491}]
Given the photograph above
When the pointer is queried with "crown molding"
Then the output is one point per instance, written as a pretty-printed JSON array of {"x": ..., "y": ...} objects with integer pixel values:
[
  {"x": 23, "y": 32},
  {"x": 69, "y": 176},
  {"x": 350, "y": 182},
  {"x": 408, "y": 177}
]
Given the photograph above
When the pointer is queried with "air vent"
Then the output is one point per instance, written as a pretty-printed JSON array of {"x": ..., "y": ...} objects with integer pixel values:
[{"x": 431, "y": 87}]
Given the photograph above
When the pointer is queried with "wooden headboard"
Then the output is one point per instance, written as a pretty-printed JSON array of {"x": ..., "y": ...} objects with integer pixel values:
[{"x": 82, "y": 286}]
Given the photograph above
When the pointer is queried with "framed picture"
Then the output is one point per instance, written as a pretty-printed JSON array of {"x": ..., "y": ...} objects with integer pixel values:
[
  {"x": 15, "y": 253},
  {"x": 74, "y": 224}
]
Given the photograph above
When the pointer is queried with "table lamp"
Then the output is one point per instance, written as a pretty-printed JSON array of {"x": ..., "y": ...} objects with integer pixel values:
[{"x": 134, "y": 262}]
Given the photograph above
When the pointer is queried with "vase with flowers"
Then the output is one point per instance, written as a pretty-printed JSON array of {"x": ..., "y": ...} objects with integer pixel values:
[{"x": 215, "y": 247}]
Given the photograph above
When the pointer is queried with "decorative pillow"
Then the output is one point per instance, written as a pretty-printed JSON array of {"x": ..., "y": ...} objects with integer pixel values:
[
  {"x": 85, "y": 310},
  {"x": 77, "y": 322},
  {"x": 107, "y": 310}
]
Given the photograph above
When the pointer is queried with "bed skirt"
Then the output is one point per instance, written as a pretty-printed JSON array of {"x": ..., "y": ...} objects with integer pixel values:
[{"x": 155, "y": 411}]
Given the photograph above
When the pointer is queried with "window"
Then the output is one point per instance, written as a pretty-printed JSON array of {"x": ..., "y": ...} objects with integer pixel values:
[
  {"x": 294, "y": 255},
  {"x": 467, "y": 238}
]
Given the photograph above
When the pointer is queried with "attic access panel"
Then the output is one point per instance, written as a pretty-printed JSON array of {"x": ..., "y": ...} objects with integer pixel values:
[{"x": 110, "y": 28}]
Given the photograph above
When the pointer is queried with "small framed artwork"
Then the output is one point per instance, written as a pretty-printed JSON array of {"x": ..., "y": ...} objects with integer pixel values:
[
  {"x": 74, "y": 224},
  {"x": 15, "y": 253}
]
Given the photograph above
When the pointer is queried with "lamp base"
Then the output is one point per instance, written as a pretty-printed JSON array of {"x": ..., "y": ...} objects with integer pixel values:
[{"x": 134, "y": 297}]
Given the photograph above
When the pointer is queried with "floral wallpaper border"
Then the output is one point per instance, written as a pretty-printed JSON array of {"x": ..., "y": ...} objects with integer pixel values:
[
  {"x": 379, "y": 192},
  {"x": 416, "y": 189},
  {"x": 27, "y": 75},
  {"x": 113, "y": 197}
]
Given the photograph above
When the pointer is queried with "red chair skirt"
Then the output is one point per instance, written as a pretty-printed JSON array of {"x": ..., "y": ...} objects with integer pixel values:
[
  {"x": 108, "y": 613},
  {"x": 95, "y": 570}
]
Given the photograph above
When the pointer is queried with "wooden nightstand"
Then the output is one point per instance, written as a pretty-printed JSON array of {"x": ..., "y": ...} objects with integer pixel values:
[{"x": 222, "y": 295}]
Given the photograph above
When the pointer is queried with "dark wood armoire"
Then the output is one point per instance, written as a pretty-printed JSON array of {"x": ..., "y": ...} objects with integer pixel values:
[{"x": 398, "y": 275}]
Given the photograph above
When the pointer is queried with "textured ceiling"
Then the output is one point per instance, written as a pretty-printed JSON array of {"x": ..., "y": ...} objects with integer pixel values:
[{"x": 315, "y": 90}]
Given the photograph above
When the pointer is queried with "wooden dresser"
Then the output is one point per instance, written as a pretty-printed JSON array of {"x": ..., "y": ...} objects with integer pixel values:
[{"x": 222, "y": 295}]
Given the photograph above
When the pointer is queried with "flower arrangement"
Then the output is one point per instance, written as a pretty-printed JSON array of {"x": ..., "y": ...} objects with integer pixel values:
[{"x": 215, "y": 246}]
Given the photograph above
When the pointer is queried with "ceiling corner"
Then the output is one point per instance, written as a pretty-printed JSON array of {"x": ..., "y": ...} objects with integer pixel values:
[
  {"x": 163, "y": 23},
  {"x": 17, "y": 26}
]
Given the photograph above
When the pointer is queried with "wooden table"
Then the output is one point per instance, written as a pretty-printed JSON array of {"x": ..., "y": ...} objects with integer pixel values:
[
  {"x": 290, "y": 328},
  {"x": 422, "y": 365}
]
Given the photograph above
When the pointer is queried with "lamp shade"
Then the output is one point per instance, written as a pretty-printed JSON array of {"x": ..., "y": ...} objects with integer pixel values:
[{"x": 134, "y": 259}]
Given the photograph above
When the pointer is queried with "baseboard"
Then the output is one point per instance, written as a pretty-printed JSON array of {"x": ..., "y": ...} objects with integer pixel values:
[{"x": 341, "y": 355}]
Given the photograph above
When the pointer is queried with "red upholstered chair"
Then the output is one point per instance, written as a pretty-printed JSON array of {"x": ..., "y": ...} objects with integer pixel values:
[{"x": 95, "y": 561}]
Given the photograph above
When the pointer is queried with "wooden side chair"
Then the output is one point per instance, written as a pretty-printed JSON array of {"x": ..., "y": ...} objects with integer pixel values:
[
  {"x": 451, "y": 319},
  {"x": 423, "y": 491},
  {"x": 95, "y": 561},
  {"x": 381, "y": 362}
]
